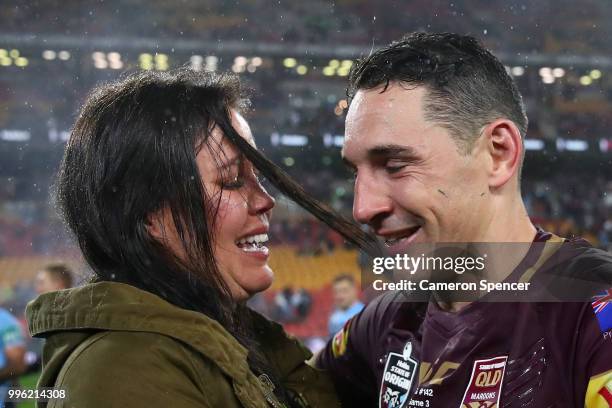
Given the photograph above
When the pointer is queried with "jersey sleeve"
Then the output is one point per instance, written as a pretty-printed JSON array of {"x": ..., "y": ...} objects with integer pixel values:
[
  {"x": 10, "y": 332},
  {"x": 350, "y": 354}
]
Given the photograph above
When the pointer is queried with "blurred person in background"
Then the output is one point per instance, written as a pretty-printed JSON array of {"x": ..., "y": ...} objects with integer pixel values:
[
  {"x": 160, "y": 185},
  {"x": 346, "y": 302},
  {"x": 12, "y": 352},
  {"x": 53, "y": 277},
  {"x": 434, "y": 136},
  {"x": 292, "y": 305}
]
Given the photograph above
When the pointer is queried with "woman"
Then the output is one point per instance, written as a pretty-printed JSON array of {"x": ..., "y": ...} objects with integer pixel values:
[{"x": 159, "y": 183}]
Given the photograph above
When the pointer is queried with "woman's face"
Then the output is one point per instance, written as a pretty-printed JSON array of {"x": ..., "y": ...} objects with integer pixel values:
[{"x": 243, "y": 214}]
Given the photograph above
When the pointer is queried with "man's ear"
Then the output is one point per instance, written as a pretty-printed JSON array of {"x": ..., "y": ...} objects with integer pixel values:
[{"x": 505, "y": 147}]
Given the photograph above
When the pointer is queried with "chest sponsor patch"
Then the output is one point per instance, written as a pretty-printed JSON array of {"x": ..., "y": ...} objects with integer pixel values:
[
  {"x": 400, "y": 370},
  {"x": 484, "y": 388}
]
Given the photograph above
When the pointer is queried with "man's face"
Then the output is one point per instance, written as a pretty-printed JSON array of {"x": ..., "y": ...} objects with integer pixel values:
[
  {"x": 413, "y": 184},
  {"x": 45, "y": 283},
  {"x": 345, "y": 294}
]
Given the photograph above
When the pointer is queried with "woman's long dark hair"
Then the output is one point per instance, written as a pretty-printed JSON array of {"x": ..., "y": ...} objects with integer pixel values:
[{"x": 132, "y": 153}]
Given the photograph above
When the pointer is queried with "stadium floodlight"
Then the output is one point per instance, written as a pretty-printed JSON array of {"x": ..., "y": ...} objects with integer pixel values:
[
  {"x": 3, "y": 52},
  {"x": 14, "y": 53},
  {"x": 572, "y": 145},
  {"x": 238, "y": 68},
  {"x": 114, "y": 59},
  {"x": 346, "y": 63},
  {"x": 558, "y": 72},
  {"x": 64, "y": 55},
  {"x": 240, "y": 60},
  {"x": 211, "y": 63},
  {"x": 301, "y": 69},
  {"x": 534, "y": 144},
  {"x": 99, "y": 59},
  {"x": 586, "y": 80},
  {"x": 289, "y": 62},
  {"x": 49, "y": 55},
  {"x": 334, "y": 63},
  {"x": 251, "y": 68},
  {"x": 5, "y": 61},
  {"x": 196, "y": 62},
  {"x": 256, "y": 61},
  {"x": 145, "y": 61},
  {"x": 517, "y": 71},
  {"x": 161, "y": 61},
  {"x": 595, "y": 74},
  {"x": 545, "y": 72},
  {"x": 288, "y": 161},
  {"x": 343, "y": 71},
  {"x": 548, "y": 80},
  {"x": 12, "y": 135},
  {"x": 330, "y": 140},
  {"x": 329, "y": 71},
  {"x": 21, "y": 62}
]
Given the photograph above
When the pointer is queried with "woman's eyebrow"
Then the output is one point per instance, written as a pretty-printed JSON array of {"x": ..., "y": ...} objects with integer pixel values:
[{"x": 231, "y": 162}]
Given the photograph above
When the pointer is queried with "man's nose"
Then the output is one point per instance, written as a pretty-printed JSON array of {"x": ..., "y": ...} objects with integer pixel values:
[{"x": 370, "y": 200}]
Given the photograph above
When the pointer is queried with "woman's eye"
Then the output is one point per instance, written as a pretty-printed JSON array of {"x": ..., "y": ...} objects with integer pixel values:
[{"x": 235, "y": 183}]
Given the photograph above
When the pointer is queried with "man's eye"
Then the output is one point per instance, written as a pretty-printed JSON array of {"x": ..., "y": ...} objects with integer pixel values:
[{"x": 391, "y": 169}]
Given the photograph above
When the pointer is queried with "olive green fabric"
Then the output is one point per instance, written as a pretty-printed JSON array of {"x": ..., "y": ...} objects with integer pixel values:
[{"x": 112, "y": 345}]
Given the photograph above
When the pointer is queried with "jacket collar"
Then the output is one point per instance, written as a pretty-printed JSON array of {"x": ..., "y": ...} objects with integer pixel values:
[{"x": 121, "y": 307}]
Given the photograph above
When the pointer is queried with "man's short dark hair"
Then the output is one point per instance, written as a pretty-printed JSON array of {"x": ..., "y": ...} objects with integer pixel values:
[
  {"x": 60, "y": 272},
  {"x": 467, "y": 86}
]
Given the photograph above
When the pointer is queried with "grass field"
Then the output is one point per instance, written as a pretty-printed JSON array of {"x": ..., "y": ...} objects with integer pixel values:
[{"x": 28, "y": 382}]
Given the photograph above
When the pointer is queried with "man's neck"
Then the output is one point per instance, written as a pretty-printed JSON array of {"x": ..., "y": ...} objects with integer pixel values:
[{"x": 505, "y": 225}]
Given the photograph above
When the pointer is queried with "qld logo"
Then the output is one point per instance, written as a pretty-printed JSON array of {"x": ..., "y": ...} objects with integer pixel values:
[
  {"x": 484, "y": 389},
  {"x": 400, "y": 370}
]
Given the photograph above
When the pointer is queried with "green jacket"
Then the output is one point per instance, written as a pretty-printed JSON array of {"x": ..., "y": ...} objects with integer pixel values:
[{"x": 112, "y": 345}]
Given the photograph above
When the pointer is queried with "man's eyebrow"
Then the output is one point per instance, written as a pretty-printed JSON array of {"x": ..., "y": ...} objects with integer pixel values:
[{"x": 390, "y": 150}]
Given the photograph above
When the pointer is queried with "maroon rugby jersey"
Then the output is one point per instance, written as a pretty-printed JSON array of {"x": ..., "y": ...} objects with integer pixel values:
[{"x": 530, "y": 355}]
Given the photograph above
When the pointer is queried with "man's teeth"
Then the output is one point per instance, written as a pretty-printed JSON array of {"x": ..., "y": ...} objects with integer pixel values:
[
  {"x": 393, "y": 241},
  {"x": 253, "y": 239}
]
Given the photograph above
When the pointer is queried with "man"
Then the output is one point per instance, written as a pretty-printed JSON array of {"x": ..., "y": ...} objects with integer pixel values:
[
  {"x": 346, "y": 302},
  {"x": 53, "y": 277},
  {"x": 12, "y": 352},
  {"x": 434, "y": 134}
]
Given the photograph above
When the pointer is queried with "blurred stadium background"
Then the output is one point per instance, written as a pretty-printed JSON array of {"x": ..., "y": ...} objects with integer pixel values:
[{"x": 295, "y": 56}]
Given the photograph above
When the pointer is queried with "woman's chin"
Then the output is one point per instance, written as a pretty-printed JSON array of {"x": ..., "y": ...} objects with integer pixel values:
[{"x": 255, "y": 280}]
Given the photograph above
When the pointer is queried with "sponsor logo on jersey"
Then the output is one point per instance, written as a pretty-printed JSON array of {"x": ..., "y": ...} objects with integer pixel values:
[
  {"x": 606, "y": 393},
  {"x": 484, "y": 388},
  {"x": 599, "y": 391},
  {"x": 602, "y": 306},
  {"x": 400, "y": 371},
  {"x": 341, "y": 340}
]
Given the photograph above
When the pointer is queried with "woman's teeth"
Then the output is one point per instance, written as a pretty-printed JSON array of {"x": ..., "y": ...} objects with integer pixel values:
[{"x": 252, "y": 242}]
